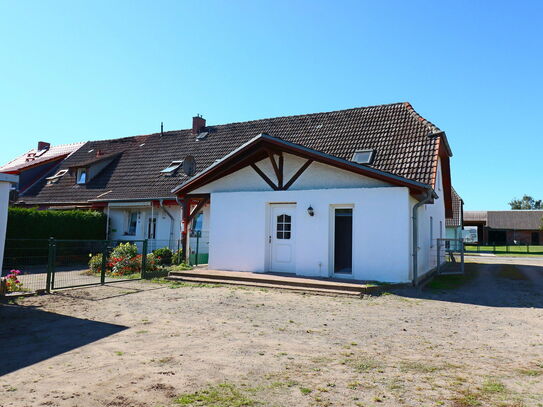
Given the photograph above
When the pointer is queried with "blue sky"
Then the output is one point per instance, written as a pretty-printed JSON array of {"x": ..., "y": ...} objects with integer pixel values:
[{"x": 82, "y": 70}]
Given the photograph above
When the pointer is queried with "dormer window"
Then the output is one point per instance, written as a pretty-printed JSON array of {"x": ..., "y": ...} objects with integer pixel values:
[
  {"x": 363, "y": 156},
  {"x": 174, "y": 166},
  {"x": 81, "y": 175},
  {"x": 55, "y": 178}
]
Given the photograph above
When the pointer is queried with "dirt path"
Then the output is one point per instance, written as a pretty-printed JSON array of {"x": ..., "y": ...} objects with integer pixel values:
[{"x": 142, "y": 344}]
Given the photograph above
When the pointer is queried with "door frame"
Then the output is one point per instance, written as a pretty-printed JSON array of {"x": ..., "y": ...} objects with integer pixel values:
[
  {"x": 332, "y": 238},
  {"x": 269, "y": 228}
]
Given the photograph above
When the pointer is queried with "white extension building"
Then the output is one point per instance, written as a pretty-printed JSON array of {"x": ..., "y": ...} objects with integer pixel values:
[{"x": 279, "y": 207}]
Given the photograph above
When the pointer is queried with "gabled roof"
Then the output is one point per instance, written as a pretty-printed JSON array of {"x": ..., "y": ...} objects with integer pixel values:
[
  {"x": 406, "y": 145},
  {"x": 513, "y": 219},
  {"x": 256, "y": 149},
  {"x": 28, "y": 159}
]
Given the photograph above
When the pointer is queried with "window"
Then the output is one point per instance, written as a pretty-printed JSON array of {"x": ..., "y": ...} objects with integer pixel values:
[
  {"x": 55, "y": 178},
  {"x": 431, "y": 231},
  {"x": 132, "y": 224},
  {"x": 170, "y": 169},
  {"x": 81, "y": 175},
  {"x": 284, "y": 225},
  {"x": 197, "y": 224},
  {"x": 363, "y": 156},
  {"x": 151, "y": 228}
]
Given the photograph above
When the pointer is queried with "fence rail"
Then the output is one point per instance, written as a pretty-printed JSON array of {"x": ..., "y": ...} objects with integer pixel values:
[{"x": 504, "y": 249}]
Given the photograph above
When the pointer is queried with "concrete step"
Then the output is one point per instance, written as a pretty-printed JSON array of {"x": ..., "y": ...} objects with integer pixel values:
[
  {"x": 311, "y": 290},
  {"x": 276, "y": 280}
]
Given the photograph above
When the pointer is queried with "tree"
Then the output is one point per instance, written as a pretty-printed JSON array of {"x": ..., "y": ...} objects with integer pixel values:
[{"x": 527, "y": 202}]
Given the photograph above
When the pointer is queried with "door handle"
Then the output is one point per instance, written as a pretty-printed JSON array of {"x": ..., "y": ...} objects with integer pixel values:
[{"x": 269, "y": 239}]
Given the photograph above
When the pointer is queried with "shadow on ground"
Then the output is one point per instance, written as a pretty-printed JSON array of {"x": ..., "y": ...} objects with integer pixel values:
[
  {"x": 29, "y": 335},
  {"x": 495, "y": 284}
]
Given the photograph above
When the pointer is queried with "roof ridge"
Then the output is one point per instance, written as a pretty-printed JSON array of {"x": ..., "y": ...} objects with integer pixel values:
[{"x": 295, "y": 116}]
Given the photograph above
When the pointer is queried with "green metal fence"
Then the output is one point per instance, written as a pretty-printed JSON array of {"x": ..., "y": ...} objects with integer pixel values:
[
  {"x": 519, "y": 249},
  {"x": 50, "y": 264}
]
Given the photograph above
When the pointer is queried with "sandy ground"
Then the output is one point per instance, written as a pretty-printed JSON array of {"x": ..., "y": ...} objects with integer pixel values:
[{"x": 145, "y": 345}]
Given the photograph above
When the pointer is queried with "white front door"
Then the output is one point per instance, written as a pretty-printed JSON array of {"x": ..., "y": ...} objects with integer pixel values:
[{"x": 282, "y": 234}]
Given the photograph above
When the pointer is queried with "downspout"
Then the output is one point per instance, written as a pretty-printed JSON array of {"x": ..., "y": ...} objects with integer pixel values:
[
  {"x": 415, "y": 217},
  {"x": 171, "y": 220}
]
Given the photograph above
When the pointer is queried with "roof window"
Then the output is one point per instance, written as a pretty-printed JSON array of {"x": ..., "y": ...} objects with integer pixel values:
[
  {"x": 363, "y": 156},
  {"x": 55, "y": 178},
  {"x": 81, "y": 175},
  {"x": 174, "y": 166},
  {"x": 202, "y": 135}
]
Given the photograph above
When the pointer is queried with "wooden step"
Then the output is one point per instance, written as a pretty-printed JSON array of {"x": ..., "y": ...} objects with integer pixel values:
[{"x": 317, "y": 291}]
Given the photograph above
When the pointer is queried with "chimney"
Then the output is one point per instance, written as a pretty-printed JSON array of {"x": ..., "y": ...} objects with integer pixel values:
[
  {"x": 42, "y": 145},
  {"x": 99, "y": 153},
  {"x": 198, "y": 123}
]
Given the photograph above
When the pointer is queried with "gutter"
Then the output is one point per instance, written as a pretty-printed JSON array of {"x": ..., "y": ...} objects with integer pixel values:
[
  {"x": 170, "y": 216},
  {"x": 429, "y": 196}
]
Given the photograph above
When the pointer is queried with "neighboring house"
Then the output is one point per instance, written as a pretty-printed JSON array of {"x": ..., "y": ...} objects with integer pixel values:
[
  {"x": 360, "y": 193},
  {"x": 506, "y": 227},
  {"x": 454, "y": 225},
  {"x": 35, "y": 164}
]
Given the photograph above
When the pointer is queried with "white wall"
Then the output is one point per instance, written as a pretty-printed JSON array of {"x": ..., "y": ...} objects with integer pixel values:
[
  {"x": 427, "y": 252},
  {"x": 118, "y": 219},
  {"x": 6, "y": 180},
  {"x": 239, "y": 222}
]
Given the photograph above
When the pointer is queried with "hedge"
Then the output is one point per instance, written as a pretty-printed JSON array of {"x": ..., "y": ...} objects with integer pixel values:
[{"x": 26, "y": 223}]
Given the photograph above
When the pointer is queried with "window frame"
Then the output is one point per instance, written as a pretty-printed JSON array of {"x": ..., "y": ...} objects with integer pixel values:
[
  {"x": 371, "y": 157},
  {"x": 79, "y": 174},
  {"x": 283, "y": 233},
  {"x": 128, "y": 230}
]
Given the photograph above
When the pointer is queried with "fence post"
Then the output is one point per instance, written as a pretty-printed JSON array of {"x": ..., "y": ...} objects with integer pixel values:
[
  {"x": 527, "y": 248},
  {"x": 198, "y": 234},
  {"x": 50, "y": 260},
  {"x": 144, "y": 259},
  {"x": 104, "y": 263},
  {"x": 438, "y": 255}
]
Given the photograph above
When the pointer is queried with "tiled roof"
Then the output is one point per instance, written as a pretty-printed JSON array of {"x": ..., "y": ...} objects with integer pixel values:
[
  {"x": 28, "y": 160},
  {"x": 514, "y": 219},
  {"x": 456, "y": 220},
  {"x": 405, "y": 143}
]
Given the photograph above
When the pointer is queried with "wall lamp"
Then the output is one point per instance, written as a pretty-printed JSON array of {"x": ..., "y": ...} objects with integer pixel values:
[{"x": 310, "y": 211}]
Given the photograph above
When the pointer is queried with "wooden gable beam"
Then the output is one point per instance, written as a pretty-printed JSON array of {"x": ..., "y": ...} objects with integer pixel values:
[
  {"x": 297, "y": 175},
  {"x": 195, "y": 211},
  {"x": 264, "y": 177},
  {"x": 278, "y": 171}
]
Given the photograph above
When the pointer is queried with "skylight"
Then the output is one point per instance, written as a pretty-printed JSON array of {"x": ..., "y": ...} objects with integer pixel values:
[
  {"x": 202, "y": 135},
  {"x": 55, "y": 178},
  {"x": 363, "y": 156},
  {"x": 174, "y": 165}
]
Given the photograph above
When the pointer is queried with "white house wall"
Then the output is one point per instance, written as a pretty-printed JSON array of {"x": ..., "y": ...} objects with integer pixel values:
[
  {"x": 239, "y": 231},
  {"x": 118, "y": 222},
  {"x": 316, "y": 176},
  {"x": 427, "y": 242}
]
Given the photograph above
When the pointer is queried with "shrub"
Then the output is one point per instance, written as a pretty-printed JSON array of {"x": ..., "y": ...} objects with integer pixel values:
[
  {"x": 178, "y": 257},
  {"x": 95, "y": 263},
  {"x": 122, "y": 266},
  {"x": 125, "y": 250},
  {"x": 163, "y": 256},
  {"x": 152, "y": 262}
]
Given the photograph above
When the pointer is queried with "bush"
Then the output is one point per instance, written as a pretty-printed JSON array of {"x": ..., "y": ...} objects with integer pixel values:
[
  {"x": 125, "y": 250},
  {"x": 25, "y": 223},
  {"x": 178, "y": 257},
  {"x": 163, "y": 256},
  {"x": 95, "y": 263}
]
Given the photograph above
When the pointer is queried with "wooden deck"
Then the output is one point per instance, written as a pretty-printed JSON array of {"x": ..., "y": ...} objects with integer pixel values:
[{"x": 286, "y": 282}]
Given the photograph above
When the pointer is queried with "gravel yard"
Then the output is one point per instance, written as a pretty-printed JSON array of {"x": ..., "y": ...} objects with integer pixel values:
[{"x": 145, "y": 344}]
